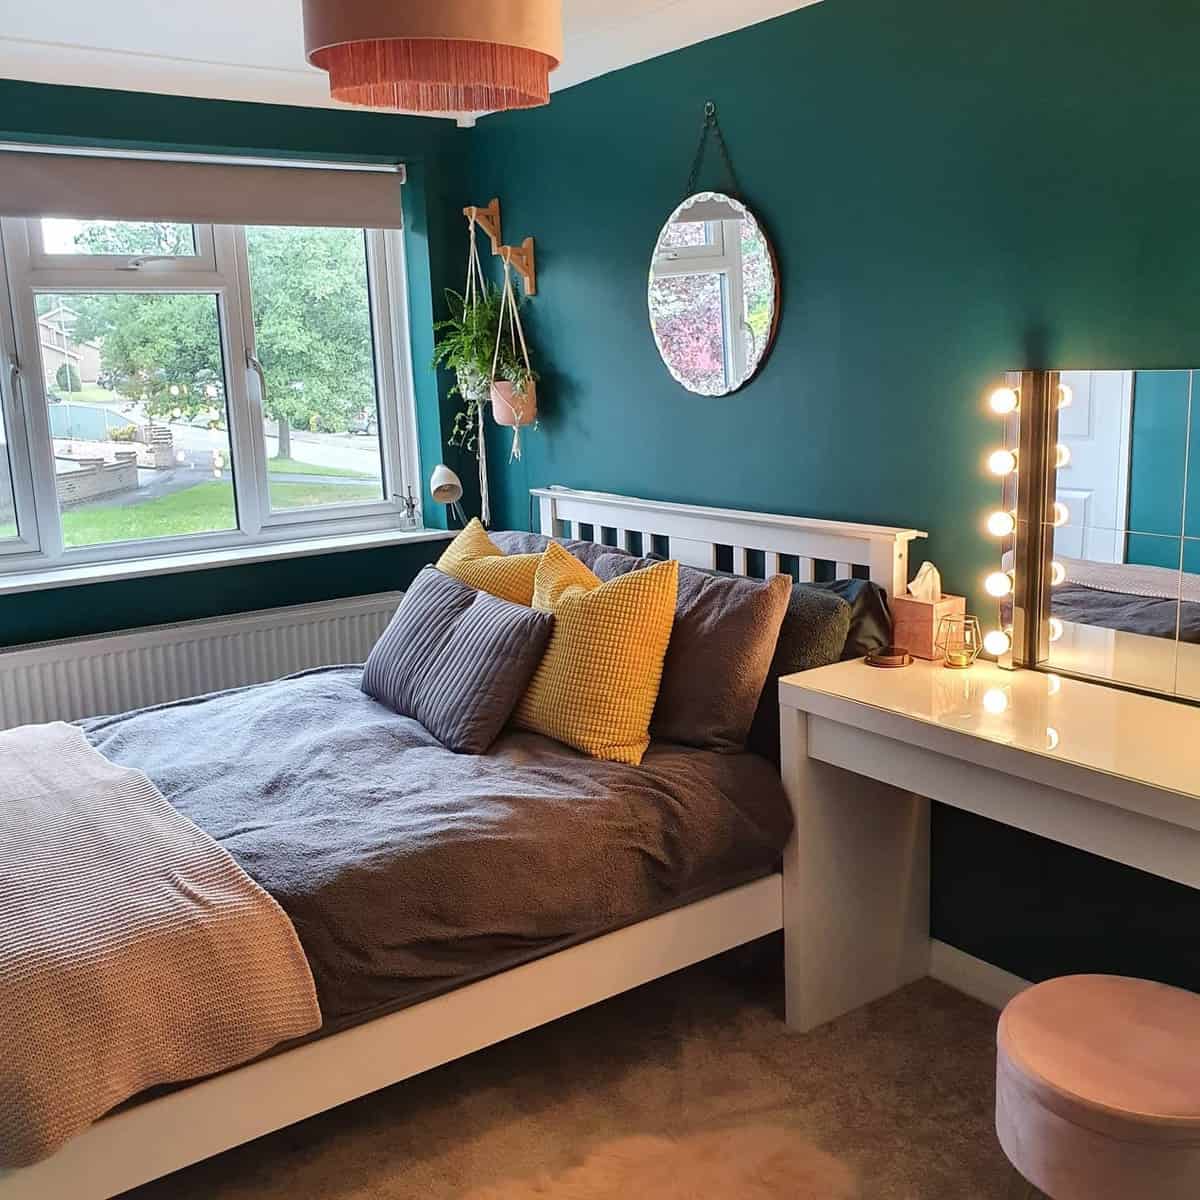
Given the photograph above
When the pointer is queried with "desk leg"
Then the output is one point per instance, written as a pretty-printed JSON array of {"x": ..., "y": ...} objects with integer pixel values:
[{"x": 855, "y": 885}]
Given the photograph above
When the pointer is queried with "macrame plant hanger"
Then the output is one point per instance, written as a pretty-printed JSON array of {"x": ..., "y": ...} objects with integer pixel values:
[
  {"x": 473, "y": 295},
  {"x": 516, "y": 334}
]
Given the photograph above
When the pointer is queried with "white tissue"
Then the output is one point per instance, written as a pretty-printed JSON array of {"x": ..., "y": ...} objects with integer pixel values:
[{"x": 928, "y": 584}]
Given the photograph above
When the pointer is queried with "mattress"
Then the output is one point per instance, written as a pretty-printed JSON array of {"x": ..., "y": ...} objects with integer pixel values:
[{"x": 407, "y": 869}]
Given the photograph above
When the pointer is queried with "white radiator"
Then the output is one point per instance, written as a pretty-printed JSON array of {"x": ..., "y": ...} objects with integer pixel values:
[{"x": 85, "y": 677}]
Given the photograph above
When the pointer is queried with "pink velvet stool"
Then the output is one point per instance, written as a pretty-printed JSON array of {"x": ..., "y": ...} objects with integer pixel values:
[{"x": 1098, "y": 1088}]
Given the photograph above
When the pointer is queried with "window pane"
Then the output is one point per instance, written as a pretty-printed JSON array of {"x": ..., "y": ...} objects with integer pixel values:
[
  {"x": 8, "y": 508},
  {"x": 61, "y": 236},
  {"x": 687, "y": 313},
  {"x": 135, "y": 384},
  {"x": 312, "y": 332}
]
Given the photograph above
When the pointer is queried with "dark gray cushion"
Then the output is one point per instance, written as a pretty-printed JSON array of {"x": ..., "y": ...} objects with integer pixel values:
[
  {"x": 456, "y": 659},
  {"x": 813, "y": 634},
  {"x": 870, "y": 615},
  {"x": 725, "y": 631},
  {"x": 517, "y": 541}
]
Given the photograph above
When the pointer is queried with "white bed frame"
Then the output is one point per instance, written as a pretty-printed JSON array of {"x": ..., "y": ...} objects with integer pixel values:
[{"x": 154, "y": 1138}]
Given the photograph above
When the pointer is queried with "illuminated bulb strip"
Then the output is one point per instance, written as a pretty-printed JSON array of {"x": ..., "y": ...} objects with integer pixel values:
[
  {"x": 997, "y": 643},
  {"x": 1060, "y": 514},
  {"x": 1004, "y": 400},
  {"x": 1065, "y": 395},
  {"x": 1062, "y": 456},
  {"x": 1001, "y": 524},
  {"x": 1056, "y": 629},
  {"x": 999, "y": 584},
  {"x": 1002, "y": 462},
  {"x": 1058, "y": 574}
]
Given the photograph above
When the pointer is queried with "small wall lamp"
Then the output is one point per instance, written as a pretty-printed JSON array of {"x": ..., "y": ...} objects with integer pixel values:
[{"x": 447, "y": 489}]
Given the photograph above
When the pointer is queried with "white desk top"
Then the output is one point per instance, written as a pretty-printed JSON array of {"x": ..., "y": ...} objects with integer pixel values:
[{"x": 1139, "y": 738}]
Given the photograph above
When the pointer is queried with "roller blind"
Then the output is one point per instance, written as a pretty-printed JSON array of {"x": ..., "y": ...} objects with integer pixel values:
[{"x": 197, "y": 191}]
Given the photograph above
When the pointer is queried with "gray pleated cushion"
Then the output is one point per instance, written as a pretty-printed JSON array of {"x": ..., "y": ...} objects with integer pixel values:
[{"x": 456, "y": 659}]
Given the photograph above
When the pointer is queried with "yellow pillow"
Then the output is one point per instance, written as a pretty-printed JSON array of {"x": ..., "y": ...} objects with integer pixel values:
[
  {"x": 475, "y": 559},
  {"x": 596, "y": 686}
]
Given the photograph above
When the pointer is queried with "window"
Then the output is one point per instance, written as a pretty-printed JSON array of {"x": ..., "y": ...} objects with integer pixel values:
[{"x": 178, "y": 387}]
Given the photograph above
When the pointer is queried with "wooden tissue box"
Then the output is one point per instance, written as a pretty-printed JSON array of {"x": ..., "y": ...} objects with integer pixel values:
[{"x": 916, "y": 622}]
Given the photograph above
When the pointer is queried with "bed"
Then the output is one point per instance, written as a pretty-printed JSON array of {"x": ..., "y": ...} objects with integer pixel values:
[{"x": 573, "y": 880}]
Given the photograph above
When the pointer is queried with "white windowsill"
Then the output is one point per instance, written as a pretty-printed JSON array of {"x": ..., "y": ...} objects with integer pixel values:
[{"x": 78, "y": 574}]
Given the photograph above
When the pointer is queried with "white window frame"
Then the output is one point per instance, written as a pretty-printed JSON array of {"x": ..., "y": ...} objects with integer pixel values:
[
  {"x": 26, "y": 270},
  {"x": 721, "y": 256},
  {"x": 204, "y": 261}
]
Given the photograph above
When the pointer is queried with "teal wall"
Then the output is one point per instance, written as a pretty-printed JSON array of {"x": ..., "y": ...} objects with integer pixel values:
[
  {"x": 1164, "y": 471},
  {"x": 954, "y": 190},
  {"x": 435, "y": 153}
]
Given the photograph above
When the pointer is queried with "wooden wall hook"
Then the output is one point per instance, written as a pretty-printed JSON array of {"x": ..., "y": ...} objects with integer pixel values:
[
  {"x": 522, "y": 259},
  {"x": 488, "y": 219}
]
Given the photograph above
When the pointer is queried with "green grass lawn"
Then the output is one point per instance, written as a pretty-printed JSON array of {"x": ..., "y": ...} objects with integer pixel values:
[
  {"x": 292, "y": 466},
  {"x": 205, "y": 508}
]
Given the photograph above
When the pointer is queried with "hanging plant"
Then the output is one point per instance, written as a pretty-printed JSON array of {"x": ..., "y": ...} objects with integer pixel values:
[
  {"x": 465, "y": 341},
  {"x": 513, "y": 379}
]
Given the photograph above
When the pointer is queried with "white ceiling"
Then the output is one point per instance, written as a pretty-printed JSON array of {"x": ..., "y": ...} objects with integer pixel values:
[{"x": 253, "y": 49}]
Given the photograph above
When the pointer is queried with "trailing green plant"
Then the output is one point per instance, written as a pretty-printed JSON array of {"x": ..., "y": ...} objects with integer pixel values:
[{"x": 465, "y": 343}]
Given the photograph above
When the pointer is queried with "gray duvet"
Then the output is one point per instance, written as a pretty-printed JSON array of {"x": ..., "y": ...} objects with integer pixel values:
[{"x": 406, "y": 868}]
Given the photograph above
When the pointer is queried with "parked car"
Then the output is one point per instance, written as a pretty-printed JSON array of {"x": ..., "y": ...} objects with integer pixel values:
[{"x": 366, "y": 422}]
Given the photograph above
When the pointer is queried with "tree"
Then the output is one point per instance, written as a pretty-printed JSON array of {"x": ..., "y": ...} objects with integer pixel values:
[
  {"x": 312, "y": 325},
  {"x": 67, "y": 378}
]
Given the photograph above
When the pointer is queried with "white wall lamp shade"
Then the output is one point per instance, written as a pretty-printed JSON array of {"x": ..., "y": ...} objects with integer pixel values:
[
  {"x": 446, "y": 488},
  {"x": 439, "y": 56}
]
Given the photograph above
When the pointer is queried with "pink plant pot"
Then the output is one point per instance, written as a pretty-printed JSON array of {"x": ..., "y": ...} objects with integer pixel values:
[{"x": 510, "y": 411}]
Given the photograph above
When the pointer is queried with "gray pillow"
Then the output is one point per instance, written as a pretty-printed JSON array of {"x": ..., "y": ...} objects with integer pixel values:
[
  {"x": 518, "y": 541},
  {"x": 813, "y": 634},
  {"x": 725, "y": 631},
  {"x": 456, "y": 659}
]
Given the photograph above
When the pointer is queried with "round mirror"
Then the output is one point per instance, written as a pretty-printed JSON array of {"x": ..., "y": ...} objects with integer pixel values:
[{"x": 714, "y": 294}]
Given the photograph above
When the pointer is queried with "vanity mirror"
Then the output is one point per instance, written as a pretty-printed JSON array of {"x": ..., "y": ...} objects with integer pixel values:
[
  {"x": 714, "y": 294},
  {"x": 1101, "y": 525}
]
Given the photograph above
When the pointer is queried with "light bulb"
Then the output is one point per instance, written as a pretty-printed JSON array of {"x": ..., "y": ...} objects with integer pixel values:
[
  {"x": 1004, "y": 400},
  {"x": 174, "y": 389},
  {"x": 1062, "y": 455},
  {"x": 998, "y": 584},
  {"x": 1056, "y": 629},
  {"x": 995, "y": 701},
  {"x": 1053, "y": 685},
  {"x": 1002, "y": 462},
  {"x": 1060, "y": 514},
  {"x": 997, "y": 643},
  {"x": 1065, "y": 395},
  {"x": 1051, "y": 738},
  {"x": 1058, "y": 574},
  {"x": 1000, "y": 524}
]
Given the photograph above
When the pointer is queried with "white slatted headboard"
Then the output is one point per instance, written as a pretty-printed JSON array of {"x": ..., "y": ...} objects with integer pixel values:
[{"x": 701, "y": 536}]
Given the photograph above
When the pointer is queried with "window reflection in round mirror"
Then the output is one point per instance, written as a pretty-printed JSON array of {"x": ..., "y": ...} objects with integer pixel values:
[{"x": 714, "y": 294}]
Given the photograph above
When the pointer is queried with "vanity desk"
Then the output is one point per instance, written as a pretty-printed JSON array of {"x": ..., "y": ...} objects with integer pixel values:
[{"x": 865, "y": 751}]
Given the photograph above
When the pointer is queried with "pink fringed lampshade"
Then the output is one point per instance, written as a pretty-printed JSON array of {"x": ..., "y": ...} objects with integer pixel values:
[{"x": 436, "y": 55}]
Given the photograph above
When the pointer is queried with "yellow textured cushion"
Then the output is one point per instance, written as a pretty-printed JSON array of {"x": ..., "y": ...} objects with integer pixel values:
[
  {"x": 475, "y": 559},
  {"x": 597, "y": 684}
]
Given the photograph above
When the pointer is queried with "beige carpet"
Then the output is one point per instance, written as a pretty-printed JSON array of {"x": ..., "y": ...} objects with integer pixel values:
[{"x": 691, "y": 1087}]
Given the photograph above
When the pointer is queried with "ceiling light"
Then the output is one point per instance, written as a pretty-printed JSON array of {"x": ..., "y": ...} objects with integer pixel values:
[{"x": 435, "y": 56}]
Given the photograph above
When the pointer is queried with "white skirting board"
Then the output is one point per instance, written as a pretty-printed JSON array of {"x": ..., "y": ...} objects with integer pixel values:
[
  {"x": 87, "y": 677},
  {"x": 966, "y": 973}
]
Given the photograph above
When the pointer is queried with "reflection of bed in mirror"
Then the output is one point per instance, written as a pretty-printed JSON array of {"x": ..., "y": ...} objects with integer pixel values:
[
  {"x": 1126, "y": 547},
  {"x": 1155, "y": 601}
]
